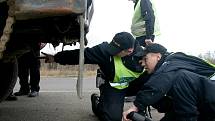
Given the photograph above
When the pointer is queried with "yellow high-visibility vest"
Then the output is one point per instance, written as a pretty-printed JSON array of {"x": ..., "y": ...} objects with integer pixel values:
[
  {"x": 138, "y": 27},
  {"x": 122, "y": 74}
]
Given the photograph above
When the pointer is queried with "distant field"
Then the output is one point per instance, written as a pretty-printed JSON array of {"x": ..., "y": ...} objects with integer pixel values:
[
  {"x": 65, "y": 73},
  {"x": 54, "y": 69}
]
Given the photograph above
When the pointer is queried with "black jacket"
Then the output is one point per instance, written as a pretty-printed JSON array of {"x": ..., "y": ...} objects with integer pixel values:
[
  {"x": 185, "y": 79},
  {"x": 100, "y": 56},
  {"x": 149, "y": 17}
]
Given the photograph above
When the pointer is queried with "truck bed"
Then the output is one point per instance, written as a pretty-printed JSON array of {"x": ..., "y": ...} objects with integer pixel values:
[{"x": 31, "y": 9}]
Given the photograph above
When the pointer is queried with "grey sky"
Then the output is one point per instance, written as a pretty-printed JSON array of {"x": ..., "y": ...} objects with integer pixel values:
[{"x": 186, "y": 25}]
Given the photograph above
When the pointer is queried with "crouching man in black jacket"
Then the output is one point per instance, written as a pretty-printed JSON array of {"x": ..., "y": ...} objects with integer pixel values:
[
  {"x": 184, "y": 79},
  {"x": 119, "y": 63}
]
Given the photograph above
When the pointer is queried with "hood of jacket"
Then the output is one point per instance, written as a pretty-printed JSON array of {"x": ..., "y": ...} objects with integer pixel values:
[{"x": 179, "y": 60}]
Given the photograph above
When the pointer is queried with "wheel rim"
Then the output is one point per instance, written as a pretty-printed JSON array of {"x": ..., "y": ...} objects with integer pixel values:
[{"x": 8, "y": 72}]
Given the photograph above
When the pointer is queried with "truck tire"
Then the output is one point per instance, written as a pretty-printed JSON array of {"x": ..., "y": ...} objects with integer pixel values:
[{"x": 8, "y": 78}]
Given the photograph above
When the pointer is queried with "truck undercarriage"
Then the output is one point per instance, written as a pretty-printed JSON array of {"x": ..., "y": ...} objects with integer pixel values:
[{"x": 36, "y": 22}]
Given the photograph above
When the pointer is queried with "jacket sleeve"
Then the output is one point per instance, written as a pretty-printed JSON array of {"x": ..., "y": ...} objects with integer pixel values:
[
  {"x": 94, "y": 55},
  {"x": 149, "y": 17},
  {"x": 192, "y": 63},
  {"x": 154, "y": 89}
]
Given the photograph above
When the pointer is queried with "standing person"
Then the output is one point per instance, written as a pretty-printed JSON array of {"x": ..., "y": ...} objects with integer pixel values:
[
  {"x": 144, "y": 22},
  {"x": 119, "y": 63},
  {"x": 179, "y": 86},
  {"x": 29, "y": 66}
]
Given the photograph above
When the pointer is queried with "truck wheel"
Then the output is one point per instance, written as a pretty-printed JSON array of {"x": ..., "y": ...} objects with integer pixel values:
[{"x": 8, "y": 78}]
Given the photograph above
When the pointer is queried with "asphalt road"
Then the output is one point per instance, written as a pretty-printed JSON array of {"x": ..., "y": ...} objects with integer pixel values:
[{"x": 57, "y": 101}]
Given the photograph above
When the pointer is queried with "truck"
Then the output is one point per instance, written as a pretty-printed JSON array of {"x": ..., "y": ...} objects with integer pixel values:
[{"x": 24, "y": 23}]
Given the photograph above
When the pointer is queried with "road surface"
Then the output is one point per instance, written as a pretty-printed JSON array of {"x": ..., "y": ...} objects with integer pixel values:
[{"x": 57, "y": 101}]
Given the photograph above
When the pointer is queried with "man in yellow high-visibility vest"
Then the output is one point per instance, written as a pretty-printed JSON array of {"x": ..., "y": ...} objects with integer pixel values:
[{"x": 144, "y": 22}]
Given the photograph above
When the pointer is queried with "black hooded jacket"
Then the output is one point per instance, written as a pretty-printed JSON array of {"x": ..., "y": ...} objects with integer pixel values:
[{"x": 183, "y": 78}]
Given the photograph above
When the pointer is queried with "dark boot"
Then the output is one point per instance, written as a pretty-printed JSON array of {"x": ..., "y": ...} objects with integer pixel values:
[
  {"x": 95, "y": 102},
  {"x": 11, "y": 97},
  {"x": 21, "y": 93}
]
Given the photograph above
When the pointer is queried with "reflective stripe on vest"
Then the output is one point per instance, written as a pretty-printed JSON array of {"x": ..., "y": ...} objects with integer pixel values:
[
  {"x": 122, "y": 75},
  {"x": 212, "y": 77}
]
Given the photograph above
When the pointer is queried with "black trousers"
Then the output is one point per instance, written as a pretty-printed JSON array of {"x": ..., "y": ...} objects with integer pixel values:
[
  {"x": 188, "y": 106},
  {"x": 111, "y": 101},
  {"x": 170, "y": 116},
  {"x": 29, "y": 66}
]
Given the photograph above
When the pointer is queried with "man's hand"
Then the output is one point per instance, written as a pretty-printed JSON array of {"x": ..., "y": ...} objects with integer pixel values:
[
  {"x": 148, "y": 41},
  {"x": 48, "y": 58},
  {"x": 125, "y": 113}
]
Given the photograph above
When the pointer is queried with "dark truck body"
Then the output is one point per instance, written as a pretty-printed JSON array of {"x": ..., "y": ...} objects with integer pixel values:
[{"x": 46, "y": 21}]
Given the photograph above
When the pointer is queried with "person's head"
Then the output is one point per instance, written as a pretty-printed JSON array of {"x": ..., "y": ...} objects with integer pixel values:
[
  {"x": 122, "y": 44},
  {"x": 152, "y": 55}
]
